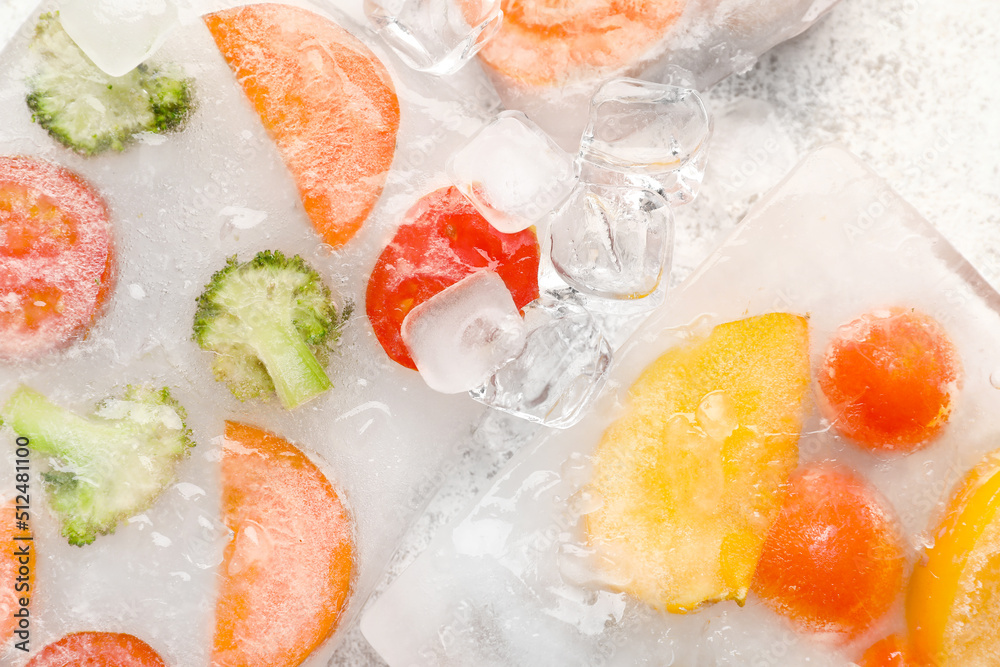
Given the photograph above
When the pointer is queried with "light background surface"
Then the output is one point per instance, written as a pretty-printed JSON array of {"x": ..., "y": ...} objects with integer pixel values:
[{"x": 911, "y": 86}]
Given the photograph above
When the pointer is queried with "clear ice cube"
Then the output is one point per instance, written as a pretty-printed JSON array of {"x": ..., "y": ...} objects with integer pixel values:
[
  {"x": 435, "y": 36},
  {"x": 118, "y": 35},
  {"x": 647, "y": 134},
  {"x": 513, "y": 172},
  {"x": 614, "y": 243},
  {"x": 462, "y": 334},
  {"x": 562, "y": 366}
]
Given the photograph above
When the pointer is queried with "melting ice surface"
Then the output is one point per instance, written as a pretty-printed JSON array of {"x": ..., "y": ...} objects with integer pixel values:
[
  {"x": 118, "y": 34},
  {"x": 647, "y": 134},
  {"x": 838, "y": 242},
  {"x": 614, "y": 243},
  {"x": 513, "y": 172},
  {"x": 435, "y": 36},
  {"x": 463, "y": 333},
  {"x": 561, "y": 367}
]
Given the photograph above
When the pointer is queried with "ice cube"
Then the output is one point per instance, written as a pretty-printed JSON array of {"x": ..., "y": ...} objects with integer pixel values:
[
  {"x": 461, "y": 335},
  {"x": 647, "y": 134},
  {"x": 435, "y": 36},
  {"x": 513, "y": 172},
  {"x": 118, "y": 35},
  {"x": 613, "y": 243},
  {"x": 561, "y": 368}
]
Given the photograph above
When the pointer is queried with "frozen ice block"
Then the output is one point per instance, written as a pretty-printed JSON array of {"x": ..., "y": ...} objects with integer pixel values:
[
  {"x": 647, "y": 134},
  {"x": 513, "y": 172},
  {"x": 613, "y": 242},
  {"x": 830, "y": 242},
  {"x": 463, "y": 333},
  {"x": 561, "y": 367},
  {"x": 548, "y": 59},
  {"x": 118, "y": 35},
  {"x": 435, "y": 36}
]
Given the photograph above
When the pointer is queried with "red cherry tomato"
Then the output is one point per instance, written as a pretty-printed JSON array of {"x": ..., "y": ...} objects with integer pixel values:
[
  {"x": 833, "y": 561},
  {"x": 891, "y": 651},
  {"x": 56, "y": 259},
  {"x": 443, "y": 240},
  {"x": 887, "y": 380},
  {"x": 97, "y": 649}
]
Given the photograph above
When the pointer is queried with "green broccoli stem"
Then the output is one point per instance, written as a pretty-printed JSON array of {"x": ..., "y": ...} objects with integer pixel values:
[
  {"x": 297, "y": 374},
  {"x": 55, "y": 431}
]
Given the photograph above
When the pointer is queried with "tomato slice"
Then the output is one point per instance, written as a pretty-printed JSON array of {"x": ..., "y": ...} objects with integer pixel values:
[
  {"x": 98, "y": 649},
  {"x": 286, "y": 574},
  {"x": 327, "y": 101},
  {"x": 443, "y": 239},
  {"x": 56, "y": 259},
  {"x": 554, "y": 42}
]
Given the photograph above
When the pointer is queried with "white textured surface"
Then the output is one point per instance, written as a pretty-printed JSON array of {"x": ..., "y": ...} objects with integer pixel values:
[{"x": 909, "y": 85}]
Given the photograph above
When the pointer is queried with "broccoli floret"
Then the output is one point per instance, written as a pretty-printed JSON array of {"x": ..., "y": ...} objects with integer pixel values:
[
  {"x": 90, "y": 111},
  {"x": 271, "y": 322},
  {"x": 109, "y": 466}
]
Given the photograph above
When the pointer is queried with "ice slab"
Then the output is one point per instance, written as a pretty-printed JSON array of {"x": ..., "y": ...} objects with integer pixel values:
[
  {"x": 513, "y": 172},
  {"x": 512, "y": 581},
  {"x": 562, "y": 366},
  {"x": 118, "y": 35},
  {"x": 180, "y": 205},
  {"x": 647, "y": 134},
  {"x": 541, "y": 64},
  {"x": 435, "y": 36},
  {"x": 613, "y": 244},
  {"x": 459, "y": 336}
]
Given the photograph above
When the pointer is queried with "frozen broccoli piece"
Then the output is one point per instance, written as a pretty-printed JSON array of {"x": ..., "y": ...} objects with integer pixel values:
[
  {"x": 90, "y": 111},
  {"x": 109, "y": 466},
  {"x": 271, "y": 322}
]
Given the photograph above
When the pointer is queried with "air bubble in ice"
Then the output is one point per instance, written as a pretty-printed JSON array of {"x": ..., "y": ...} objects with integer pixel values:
[
  {"x": 204, "y": 543},
  {"x": 647, "y": 134},
  {"x": 118, "y": 35},
  {"x": 716, "y": 415},
  {"x": 435, "y": 36},
  {"x": 613, "y": 242},
  {"x": 458, "y": 337},
  {"x": 513, "y": 172},
  {"x": 562, "y": 366}
]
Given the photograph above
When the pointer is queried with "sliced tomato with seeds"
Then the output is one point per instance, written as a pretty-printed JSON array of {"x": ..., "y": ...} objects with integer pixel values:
[
  {"x": 56, "y": 260},
  {"x": 98, "y": 649},
  {"x": 442, "y": 240}
]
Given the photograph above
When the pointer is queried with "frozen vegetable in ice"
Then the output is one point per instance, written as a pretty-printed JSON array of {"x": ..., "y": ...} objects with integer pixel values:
[
  {"x": 97, "y": 649},
  {"x": 442, "y": 240},
  {"x": 953, "y": 601},
  {"x": 56, "y": 261},
  {"x": 541, "y": 42},
  {"x": 833, "y": 560},
  {"x": 271, "y": 322},
  {"x": 90, "y": 111},
  {"x": 326, "y": 100},
  {"x": 892, "y": 651},
  {"x": 690, "y": 478},
  {"x": 888, "y": 378},
  {"x": 287, "y": 572},
  {"x": 111, "y": 465}
]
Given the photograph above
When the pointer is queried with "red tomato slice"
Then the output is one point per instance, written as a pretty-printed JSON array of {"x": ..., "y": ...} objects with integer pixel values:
[
  {"x": 286, "y": 575},
  {"x": 98, "y": 649},
  {"x": 442, "y": 240},
  {"x": 327, "y": 101},
  {"x": 56, "y": 260}
]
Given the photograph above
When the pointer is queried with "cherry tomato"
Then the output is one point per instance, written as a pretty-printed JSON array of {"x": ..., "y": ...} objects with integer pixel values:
[
  {"x": 887, "y": 379},
  {"x": 98, "y": 649},
  {"x": 442, "y": 240},
  {"x": 891, "y": 651},
  {"x": 56, "y": 261},
  {"x": 832, "y": 562}
]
